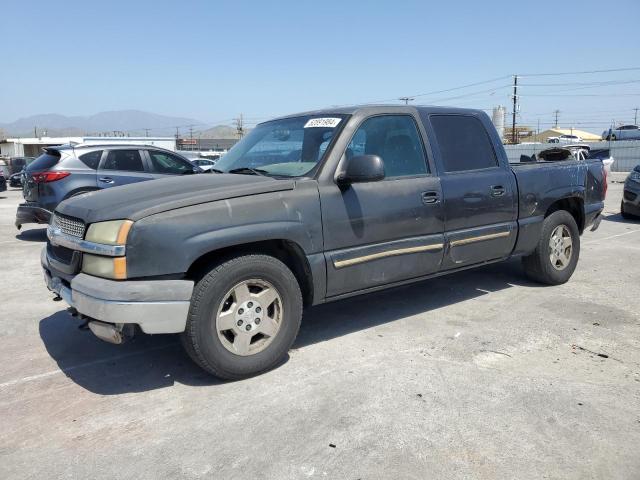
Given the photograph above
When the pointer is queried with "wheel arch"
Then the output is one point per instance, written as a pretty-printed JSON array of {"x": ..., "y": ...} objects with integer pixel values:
[
  {"x": 287, "y": 251},
  {"x": 573, "y": 205},
  {"x": 80, "y": 190}
]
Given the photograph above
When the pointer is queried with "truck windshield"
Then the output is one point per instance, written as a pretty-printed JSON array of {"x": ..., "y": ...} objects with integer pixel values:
[{"x": 290, "y": 147}]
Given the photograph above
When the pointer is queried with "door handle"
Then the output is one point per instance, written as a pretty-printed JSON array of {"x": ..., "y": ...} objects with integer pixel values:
[
  {"x": 497, "y": 190},
  {"x": 106, "y": 179},
  {"x": 429, "y": 198}
]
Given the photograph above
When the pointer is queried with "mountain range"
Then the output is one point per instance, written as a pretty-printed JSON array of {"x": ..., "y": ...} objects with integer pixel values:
[{"x": 130, "y": 122}]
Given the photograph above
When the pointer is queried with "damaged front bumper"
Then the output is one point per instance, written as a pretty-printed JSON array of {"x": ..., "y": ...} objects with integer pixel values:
[{"x": 157, "y": 306}]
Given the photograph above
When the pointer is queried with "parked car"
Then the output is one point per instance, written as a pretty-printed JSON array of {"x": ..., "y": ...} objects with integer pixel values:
[
  {"x": 16, "y": 164},
  {"x": 15, "y": 180},
  {"x": 630, "y": 205},
  {"x": 203, "y": 163},
  {"x": 312, "y": 208},
  {"x": 4, "y": 168},
  {"x": 625, "y": 132},
  {"x": 3, "y": 182},
  {"x": 71, "y": 170},
  {"x": 565, "y": 139},
  {"x": 603, "y": 154}
]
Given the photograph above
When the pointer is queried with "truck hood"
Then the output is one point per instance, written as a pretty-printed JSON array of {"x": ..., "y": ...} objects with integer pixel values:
[{"x": 139, "y": 200}]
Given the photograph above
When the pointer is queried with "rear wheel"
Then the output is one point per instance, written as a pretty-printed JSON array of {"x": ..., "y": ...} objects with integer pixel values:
[
  {"x": 556, "y": 255},
  {"x": 244, "y": 316}
]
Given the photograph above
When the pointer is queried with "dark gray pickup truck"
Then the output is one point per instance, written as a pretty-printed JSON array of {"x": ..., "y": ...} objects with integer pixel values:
[{"x": 307, "y": 209}]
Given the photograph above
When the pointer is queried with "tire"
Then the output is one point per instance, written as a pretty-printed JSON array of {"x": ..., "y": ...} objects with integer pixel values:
[
  {"x": 626, "y": 215},
  {"x": 539, "y": 265},
  {"x": 219, "y": 300}
]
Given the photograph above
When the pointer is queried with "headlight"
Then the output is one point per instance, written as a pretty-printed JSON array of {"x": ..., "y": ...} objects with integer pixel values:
[
  {"x": 105, "y": 267},
  {"x": 634, "y": 176},
  {"x": 113, "y": 232}
]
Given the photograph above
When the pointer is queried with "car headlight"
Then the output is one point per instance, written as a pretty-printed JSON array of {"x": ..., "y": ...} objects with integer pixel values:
[
  {"x": 635, "y": 176},
  {"x": 105, "y": 267},
  {"x": 113, "y": 232}
]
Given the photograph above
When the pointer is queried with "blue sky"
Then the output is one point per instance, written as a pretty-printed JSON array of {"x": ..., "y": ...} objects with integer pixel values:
[{"x": 212, "y": 60}]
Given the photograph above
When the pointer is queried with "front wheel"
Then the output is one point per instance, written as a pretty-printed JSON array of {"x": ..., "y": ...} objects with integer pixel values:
[
  {"x": 626, "y": 215},
  {"x": 556, "y": 255},
  {"x": 244, "y": 316}
]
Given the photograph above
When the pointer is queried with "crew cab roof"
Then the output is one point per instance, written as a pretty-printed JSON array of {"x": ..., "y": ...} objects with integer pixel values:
[{"x": 381, "y": 109}]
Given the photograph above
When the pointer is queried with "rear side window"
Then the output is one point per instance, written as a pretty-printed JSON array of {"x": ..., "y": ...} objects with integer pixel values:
[
  {"x": 464, "y": 143},
  {"x": 128, "y": 160},
  {"x": 44, "y": 161},
  {"x": 91, "y": 159}
]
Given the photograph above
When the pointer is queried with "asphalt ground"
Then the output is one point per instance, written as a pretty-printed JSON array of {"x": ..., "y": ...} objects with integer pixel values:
[{"x": 480, "y": 374}]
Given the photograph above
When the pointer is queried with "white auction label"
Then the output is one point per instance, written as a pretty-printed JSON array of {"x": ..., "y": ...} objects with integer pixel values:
[{"x": 322, "y": 122}]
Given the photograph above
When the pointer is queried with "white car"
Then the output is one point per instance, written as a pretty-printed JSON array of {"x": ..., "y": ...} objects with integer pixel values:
[
  {"x": 565, "y": 139},
  {"x": 203, "y": 163},
  {"x": 624, "y": 132}
]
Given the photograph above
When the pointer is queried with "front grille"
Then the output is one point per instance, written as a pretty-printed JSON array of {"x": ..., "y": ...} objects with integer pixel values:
[
  {"x": 68, "y": 225},
  {"x": 629, "y": 196}
]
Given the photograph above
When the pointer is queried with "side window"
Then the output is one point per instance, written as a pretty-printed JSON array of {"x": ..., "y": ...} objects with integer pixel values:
[
  {"x": 128, "y": 160},
  {"x": 166, "y": 163},
  {"x": 464, "y": 143},
  {"x": 91, "y": 159},
  {"x": 396, "y": 140}
]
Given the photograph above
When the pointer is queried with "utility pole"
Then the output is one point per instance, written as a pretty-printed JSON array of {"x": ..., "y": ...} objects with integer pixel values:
[
  {"x": 35, "y": 132},
  {"x": 556, "y": 113},
  {"x": 514, "y": 135},
  {"x": 635, "y": 117},
  {"x": 240, "y": 126},
  {"x": 191, "y": 137},
  {"x": 406, "y": 100},
  {"x": 146, "y": 132}
]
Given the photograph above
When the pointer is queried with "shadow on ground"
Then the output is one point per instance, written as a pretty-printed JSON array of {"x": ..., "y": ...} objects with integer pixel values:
[
  {"x": 617, "y": 217},
  {"x": 33, "y": 235},
  {"x": 150, "y": 362}
]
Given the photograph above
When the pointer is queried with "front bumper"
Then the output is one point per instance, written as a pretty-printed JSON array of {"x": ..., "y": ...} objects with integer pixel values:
[
  {"x": 157, "y": 306},
  {"x": 31, "y": 213},
  {"x": 631, "y": 197}
]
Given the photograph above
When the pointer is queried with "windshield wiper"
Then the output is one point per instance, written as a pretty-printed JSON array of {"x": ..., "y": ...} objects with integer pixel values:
[{"x": 250, "y": 171}]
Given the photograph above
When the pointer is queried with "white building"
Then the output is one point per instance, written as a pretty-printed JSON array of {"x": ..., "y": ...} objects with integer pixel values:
[{"x": 32, "y": 147}]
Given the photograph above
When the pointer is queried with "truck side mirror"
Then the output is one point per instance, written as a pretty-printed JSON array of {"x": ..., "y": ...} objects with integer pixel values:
[{"x": 361, "y": 168}]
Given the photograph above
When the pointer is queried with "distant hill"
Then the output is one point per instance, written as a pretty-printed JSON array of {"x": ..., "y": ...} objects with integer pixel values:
[
  {"x": 132, "y": 122},
  {"x": 220, "y": 131}
]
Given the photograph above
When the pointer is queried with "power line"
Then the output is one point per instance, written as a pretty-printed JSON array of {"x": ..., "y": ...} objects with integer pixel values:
[{"x": 584, "y": 72}]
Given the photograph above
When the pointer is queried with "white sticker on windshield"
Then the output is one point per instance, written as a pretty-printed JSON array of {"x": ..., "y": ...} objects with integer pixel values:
[{"x": 322, "y": 122}]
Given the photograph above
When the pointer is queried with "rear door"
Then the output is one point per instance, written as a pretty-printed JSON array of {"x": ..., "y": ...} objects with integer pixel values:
[
  {"x": 478, "y": 188},
  {"x": 121, "y": 167},
  {"x": 163, "y": 164}
]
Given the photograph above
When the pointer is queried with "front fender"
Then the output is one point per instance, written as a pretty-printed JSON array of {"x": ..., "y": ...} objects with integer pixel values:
[{"x": 168, "y": 243}]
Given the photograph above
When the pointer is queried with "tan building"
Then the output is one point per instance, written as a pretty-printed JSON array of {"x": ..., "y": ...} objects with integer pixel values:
[{"x": 556, "y": 132}]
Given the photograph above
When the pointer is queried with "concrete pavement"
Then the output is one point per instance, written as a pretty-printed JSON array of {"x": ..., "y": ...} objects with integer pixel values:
[{"x": 480, "y": 374}]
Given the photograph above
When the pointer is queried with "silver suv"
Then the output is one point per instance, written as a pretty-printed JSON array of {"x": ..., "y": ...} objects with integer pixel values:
[{"x": 70, "y": 170}]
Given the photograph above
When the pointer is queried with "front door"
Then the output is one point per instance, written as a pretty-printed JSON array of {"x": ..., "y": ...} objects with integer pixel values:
[
  {"x": 480, "y": 195},
  {"x": 388, "y": 231}
]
